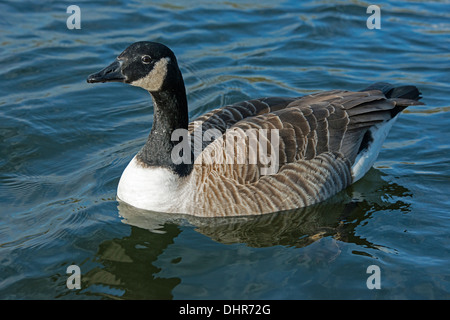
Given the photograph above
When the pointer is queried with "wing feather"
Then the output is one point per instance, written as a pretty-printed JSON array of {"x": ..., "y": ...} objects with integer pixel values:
[{"x": 318, "y": 138}]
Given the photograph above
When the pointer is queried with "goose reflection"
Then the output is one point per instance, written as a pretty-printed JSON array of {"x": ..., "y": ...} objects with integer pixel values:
[
  {"x": 127, "y": 265},
  {"x": 336, "y": 217}
]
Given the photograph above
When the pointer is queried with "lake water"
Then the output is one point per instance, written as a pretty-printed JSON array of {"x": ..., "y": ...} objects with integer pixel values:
[{"x": 64, "y": 144}]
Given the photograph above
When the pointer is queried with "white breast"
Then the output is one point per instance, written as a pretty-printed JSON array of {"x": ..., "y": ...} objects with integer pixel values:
[{"x": 153, "y": 188}]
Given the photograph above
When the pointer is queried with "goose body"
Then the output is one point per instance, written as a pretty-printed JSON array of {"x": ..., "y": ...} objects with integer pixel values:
[{"x": 253, "y": 157}]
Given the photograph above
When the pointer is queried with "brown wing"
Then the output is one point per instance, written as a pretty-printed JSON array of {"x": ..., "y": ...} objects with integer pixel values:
[
  {"x": 333, "y": 121},
  {"x": 317, "y": 140}
]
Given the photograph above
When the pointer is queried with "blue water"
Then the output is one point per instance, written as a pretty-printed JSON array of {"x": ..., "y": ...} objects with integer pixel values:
[{"x": 64, "y": 144}]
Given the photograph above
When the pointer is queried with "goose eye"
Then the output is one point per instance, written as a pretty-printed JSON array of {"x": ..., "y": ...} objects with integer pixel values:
[{"x": 146, "y": 59}]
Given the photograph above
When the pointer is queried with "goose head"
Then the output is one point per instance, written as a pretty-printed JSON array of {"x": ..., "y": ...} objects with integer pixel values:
[
  {"x": 149, "y": 65},
  {"x": 153, "y": 67}
]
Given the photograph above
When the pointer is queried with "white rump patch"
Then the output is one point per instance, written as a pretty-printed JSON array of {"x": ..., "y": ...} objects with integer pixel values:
[{"x": 365, "y": 160}]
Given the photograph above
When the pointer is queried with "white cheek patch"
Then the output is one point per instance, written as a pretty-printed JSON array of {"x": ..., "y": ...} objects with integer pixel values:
[{"x": 155, "y": 79}]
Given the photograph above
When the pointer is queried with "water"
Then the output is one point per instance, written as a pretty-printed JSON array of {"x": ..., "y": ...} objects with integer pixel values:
[{"x": 64, "y": 145}]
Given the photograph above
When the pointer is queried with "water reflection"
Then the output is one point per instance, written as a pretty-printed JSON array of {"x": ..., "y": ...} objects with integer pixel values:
[
  {"x": 336, "y": 217},
  {"x": 127, "y": 264}
]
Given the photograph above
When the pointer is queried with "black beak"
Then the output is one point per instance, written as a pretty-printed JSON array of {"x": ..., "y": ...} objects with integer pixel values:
[{"x": 112, "y": 73}]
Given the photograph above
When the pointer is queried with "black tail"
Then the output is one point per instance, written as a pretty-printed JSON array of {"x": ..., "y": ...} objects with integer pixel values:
[
  {"x": 391, "y": 92},
  {"x": 404, "y": 96}
]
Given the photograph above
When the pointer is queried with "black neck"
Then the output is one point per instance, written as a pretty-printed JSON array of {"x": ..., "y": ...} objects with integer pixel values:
[{"x": 170, "y": 113}]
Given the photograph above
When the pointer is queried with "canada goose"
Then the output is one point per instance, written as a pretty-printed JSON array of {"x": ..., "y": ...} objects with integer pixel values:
[{"x": 290, "y": 152}]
